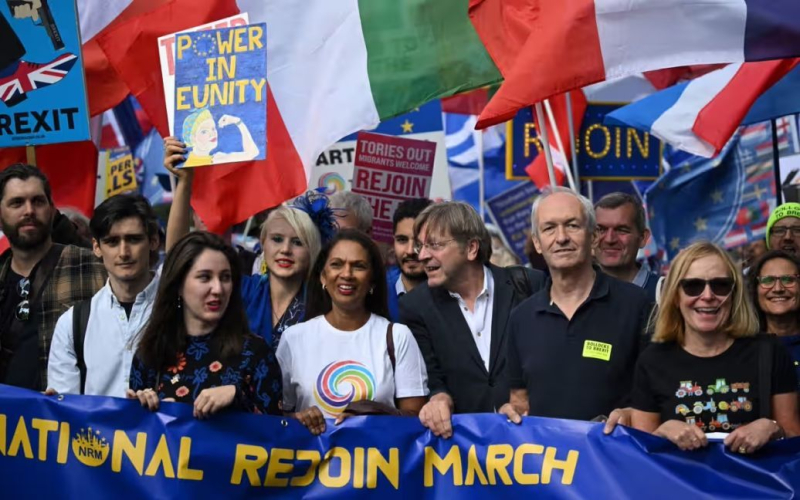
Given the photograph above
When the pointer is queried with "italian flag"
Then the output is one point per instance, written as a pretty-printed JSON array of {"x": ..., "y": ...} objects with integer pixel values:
[{"x": 334, "y": 67}]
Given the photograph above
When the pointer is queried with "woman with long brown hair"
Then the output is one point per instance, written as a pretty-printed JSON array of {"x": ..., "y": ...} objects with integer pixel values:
[{"x": 197, "y": 347}]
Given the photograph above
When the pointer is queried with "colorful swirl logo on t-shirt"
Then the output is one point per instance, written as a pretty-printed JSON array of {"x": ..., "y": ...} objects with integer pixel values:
[{"x": 341, "y": 383}]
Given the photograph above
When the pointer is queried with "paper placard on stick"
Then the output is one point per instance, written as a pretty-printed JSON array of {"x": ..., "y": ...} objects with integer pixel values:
[
  {"x": 389, "y": 170},
  {"x": 166, "y": 55},
  {"x": 120, "y": 172},
  {"x": 42, "y": 87},
  {"x": 221, "y": 94},
  {"x": 511, "y": 212}
]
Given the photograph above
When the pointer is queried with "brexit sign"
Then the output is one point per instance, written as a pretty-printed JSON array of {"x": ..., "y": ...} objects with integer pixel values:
[{"x": 605, "y": 153}]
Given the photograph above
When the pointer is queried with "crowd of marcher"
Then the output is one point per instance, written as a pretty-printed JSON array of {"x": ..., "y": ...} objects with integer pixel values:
[{"x": 318, "y": 326}]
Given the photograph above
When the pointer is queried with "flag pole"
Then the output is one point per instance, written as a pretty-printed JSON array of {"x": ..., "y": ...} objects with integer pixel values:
[
  {"x": 481, "y": 172},
  {"x": 545, "y": 143},
  {"x": 572, "y": 148},
  {"x": 30, "y": 155},
  {"x": 776, "y": 162},
  {"x": 552, "y": 118},
  {"x": 247, "y": 228}
]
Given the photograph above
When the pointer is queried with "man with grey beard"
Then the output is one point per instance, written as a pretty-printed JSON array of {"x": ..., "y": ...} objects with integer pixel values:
[{"x": 39, "y": 279}]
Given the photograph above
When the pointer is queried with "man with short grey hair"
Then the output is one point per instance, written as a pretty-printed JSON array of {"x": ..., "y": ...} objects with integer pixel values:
[
  {"x": 621, "y": 232},
  {"x": 459, "y": 316},
  {"x": 352, "y": 211},
  {"x": 572, "y": 346}
]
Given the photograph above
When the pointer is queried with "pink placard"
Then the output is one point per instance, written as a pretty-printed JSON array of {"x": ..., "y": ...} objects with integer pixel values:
[{"x": 389, "y": 170}]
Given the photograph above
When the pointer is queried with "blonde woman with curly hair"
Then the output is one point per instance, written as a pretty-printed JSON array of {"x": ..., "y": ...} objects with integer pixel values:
[{"x": 707, "y": 369}]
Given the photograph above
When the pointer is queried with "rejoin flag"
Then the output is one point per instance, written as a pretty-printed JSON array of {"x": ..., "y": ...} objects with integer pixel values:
[
  {"x": 574, "y": 43},
  {"x": 700, "y": 116},
  {"x": 335, "y": 68}
]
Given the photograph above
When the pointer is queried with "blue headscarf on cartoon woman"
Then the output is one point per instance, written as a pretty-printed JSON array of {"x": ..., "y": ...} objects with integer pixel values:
[{"x": 199, "y": 133}]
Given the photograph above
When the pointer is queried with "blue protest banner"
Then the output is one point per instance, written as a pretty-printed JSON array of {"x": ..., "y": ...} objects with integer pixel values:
[
  {"x": 41, "y": 74},
  {"x": 605, "y": 153},
  {"x": 96, "y": 447},
  {"x": 221, "y": 94},
  {"x": 511, "y": 212},
  {"x": 615, "y": 153}
]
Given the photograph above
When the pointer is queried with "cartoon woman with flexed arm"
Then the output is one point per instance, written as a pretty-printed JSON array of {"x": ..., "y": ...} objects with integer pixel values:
[{"x": 200, "y": 134}]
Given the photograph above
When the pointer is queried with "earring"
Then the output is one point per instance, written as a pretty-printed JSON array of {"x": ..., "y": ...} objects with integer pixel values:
[
  {"x": 371, "y": 290},
  {"x": 323, "y": 286},
  {"x": 180, "y": 302}
]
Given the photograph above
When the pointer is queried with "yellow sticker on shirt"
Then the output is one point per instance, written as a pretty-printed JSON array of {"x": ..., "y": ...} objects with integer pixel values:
[{"x": 596, "y": 350}]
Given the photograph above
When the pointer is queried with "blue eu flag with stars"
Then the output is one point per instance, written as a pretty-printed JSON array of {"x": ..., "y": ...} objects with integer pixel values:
[{"x": 726, "y": 200}]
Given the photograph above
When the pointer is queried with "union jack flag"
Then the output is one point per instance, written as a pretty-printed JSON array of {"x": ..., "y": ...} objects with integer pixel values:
[{"x": 31, "y": 76}]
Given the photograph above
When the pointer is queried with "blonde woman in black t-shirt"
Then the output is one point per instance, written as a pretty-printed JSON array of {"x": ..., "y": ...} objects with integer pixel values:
[{"x": 703, "y": 371}]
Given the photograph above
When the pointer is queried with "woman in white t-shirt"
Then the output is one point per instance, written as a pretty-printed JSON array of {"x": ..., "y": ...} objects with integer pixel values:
[{"x": 342, "y": 355}]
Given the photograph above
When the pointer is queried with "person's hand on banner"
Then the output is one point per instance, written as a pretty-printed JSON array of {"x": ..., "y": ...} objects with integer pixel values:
[
  {"x": 685, "y": 436},
  {"x": 210, "y": 401},
  {"x": 313, "y": 419},
  {"x": 24, "y": 9},
  {"x": 512, "y": 414},
  {"x": 147, "y": 397},
  {"x": 620, "y": 416},
  {"x": 436, "y": 414},
  {"x": 753, "y": 436},
  {"x": 226, "y": 120},
  {"x": 175, "y": 152}
]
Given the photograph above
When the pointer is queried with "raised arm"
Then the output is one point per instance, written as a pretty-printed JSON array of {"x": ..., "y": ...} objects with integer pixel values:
[{"x": 179, "y": 213}]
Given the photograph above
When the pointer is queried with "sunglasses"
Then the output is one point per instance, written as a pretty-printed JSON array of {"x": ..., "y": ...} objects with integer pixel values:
[
  {"x": 694, "y": 287},
  {"x": 23, "y": 310},
  {"x": 787, "y": 280}
]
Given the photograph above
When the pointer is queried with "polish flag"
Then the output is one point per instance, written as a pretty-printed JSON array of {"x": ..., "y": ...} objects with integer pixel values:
[
  {"x": 575, "y": 43},
  {"x": 3, "y": 243}
]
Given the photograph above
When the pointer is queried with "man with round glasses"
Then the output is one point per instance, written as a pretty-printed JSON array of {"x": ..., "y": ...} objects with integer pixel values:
[
  {"x": 39, "y": 279},
  {"x": 459, "y": 316},
  {"x": 783, "y": 229}
]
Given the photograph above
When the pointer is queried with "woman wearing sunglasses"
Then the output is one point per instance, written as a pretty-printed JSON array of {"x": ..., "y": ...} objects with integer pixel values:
[
  {"x": 703, "y": 372},
  {"x": 775, "y": 291}
]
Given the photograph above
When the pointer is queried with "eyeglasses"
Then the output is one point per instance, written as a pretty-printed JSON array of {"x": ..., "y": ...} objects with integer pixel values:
[
  {"x": 787, "y": 280},
  {"x": 781, "y": 231},
  {"x": 23, "y": 310},
  {"x": 721, "y": 287},
  {"x": 436, "y": 246}
]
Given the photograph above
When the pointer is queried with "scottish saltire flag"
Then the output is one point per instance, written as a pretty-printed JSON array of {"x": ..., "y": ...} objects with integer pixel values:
[
  {"x": 462, "y": 156},
  {"x": 701, "y": 115},
  {"x": 731, "y": 195}
]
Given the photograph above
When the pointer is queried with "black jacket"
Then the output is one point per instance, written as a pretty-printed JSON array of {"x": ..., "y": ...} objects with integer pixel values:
[{"x": 451, "y": 356}]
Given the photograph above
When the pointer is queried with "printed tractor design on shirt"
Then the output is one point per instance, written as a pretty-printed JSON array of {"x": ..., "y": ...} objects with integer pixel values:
[
  {"x": 740, "y": 386},
  {"x": 720, "y": 387},
  {"x": 682, "y": 409},
  {"x": 741, "y": 404},
  {"x": 688, "y": 388},
  {"x": 692, "y": 420},
  {"x": 700, "y": 407},
  {"x": 719, "y": 422}
]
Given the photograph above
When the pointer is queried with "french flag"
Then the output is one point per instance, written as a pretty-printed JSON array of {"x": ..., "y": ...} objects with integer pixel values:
[
  {"x": 701, "y": 115},
  {"x": 575, "y": 43}
]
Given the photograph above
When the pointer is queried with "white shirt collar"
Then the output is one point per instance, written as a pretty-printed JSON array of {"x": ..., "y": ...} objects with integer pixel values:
[{"x": 488, "y": 286}]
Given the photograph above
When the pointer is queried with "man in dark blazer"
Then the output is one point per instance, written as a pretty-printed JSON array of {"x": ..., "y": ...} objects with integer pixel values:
[{"x": 459, "y": 316}]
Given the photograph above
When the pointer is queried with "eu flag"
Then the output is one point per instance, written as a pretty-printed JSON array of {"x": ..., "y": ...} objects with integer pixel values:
[{"x": 726, "y": 200}]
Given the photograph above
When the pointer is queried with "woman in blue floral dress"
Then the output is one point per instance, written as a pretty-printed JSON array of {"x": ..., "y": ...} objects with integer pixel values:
[{"x": 197, "y": 347}]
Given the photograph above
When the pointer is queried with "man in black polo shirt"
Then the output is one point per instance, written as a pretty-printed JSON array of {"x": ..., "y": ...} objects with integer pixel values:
[{"x": 572, "y": 346}]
